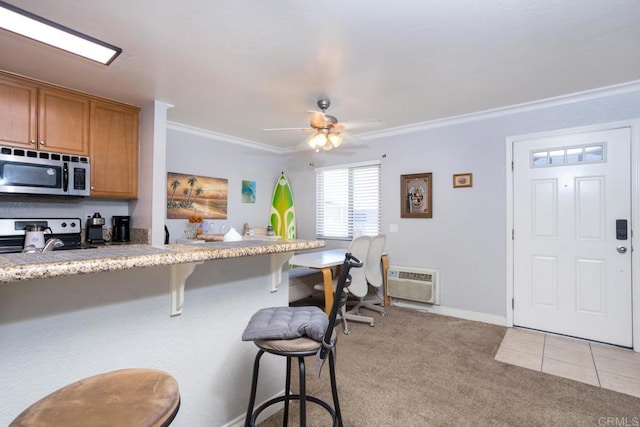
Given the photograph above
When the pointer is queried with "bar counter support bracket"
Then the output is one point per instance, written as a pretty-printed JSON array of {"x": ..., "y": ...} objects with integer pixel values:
[
  {"x": 179, "y": 275},
  {"x": 277, "y": 262}
]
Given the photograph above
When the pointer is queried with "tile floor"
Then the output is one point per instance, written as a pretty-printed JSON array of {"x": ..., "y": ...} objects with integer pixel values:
[{"x": 597, "y": 364}]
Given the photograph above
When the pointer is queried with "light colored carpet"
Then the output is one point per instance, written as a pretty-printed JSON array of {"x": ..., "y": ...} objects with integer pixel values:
[{"x": 421, "y": 369}]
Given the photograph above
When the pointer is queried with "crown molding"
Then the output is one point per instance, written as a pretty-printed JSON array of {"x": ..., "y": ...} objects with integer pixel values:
[
  {"x": 618, "y": 89},
  {"x": 591, "y": 94},
  {"x": 223, "y": 137}
]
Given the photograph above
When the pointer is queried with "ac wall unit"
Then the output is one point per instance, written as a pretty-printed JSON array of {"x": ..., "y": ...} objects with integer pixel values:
[{"x": 414, "y": 284}]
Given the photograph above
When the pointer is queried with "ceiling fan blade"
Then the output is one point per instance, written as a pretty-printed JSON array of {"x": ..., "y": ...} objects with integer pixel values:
[
  {"x": 317, "y": 119},
  {"x": 321, "y": 120},
  {"x": 357, "y": 124},
  {"x": 290, "y": 129},
  {"x": 351, "y": 137}
]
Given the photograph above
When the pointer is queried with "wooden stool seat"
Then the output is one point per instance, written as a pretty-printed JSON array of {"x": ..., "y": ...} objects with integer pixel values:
[{"x": 127, "y": 397}]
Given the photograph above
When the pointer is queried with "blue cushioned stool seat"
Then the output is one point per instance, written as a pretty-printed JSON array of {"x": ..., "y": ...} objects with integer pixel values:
[{"x": 286, "y": 323}]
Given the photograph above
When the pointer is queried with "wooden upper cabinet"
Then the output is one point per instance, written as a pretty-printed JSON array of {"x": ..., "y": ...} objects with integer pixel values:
[
  {"x": 42, "y": 117},
  {"x": 114, "y": 150},
  {"x": 18, "y": 109},
  {"x": 63, "y": 123}
]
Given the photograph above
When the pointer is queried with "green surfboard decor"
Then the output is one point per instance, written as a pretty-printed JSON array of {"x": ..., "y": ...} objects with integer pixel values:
[{"x": 283, "y": 213}]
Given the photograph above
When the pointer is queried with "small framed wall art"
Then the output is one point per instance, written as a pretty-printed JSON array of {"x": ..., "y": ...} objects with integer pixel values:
[
  {"x": 462, "y": 180},
  {"x": 415, "y": 196},
  {"x": 248, "y": 191}
]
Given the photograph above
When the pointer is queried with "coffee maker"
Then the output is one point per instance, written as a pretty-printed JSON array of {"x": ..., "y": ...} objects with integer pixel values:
[
  {"x": 121, "y": 228},
  {"x": 94, "y": 228}
]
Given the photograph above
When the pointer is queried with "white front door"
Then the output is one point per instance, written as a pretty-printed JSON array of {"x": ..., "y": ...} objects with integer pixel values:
[{"x": 572, "y": 209}]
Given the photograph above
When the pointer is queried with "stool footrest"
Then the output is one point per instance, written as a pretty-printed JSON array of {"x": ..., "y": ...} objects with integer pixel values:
[{"x": 290, "y": 397}]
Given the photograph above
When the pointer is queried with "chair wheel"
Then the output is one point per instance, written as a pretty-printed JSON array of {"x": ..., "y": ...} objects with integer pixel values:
[
  {"x": 372, "y": 324},
  {"x": 383, "y": 314},
  {"x": 347, "y": 331}
]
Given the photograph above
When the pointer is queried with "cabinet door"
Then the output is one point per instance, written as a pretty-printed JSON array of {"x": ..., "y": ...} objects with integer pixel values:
[
  {"x": 114, "y": 150},
  {"x": 63, "y": 121},
  {"x": 18, "y": 109}
]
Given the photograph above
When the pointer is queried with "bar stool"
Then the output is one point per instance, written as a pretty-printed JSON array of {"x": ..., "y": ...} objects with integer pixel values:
[
  {"x": 123, "y": 398},
  {"x": 274, "y": 338}
]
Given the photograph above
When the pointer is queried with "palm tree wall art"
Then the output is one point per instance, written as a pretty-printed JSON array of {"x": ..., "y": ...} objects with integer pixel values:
[{"x": 188, "y": 193}]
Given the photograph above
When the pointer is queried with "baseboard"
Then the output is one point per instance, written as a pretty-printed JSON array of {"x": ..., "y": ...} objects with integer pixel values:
[
  {"x": 453, "y": 312},
  {"x": 239, "y": 421}
]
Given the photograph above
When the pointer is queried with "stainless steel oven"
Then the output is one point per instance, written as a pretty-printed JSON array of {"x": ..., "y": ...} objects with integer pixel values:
[
  {"x": 13, "y": 230},
  {"x": 41, "y": 173}
]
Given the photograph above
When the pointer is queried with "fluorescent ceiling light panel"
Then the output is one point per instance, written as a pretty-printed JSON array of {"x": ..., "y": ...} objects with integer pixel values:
[{"x": 37, "y": 28}]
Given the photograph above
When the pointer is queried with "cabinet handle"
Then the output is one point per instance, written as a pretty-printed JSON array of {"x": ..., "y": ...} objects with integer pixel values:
[
  {"x": 92, "y": 187},
  {"x": 33, "y": 142},
  {"x": 41, "y": 142}
]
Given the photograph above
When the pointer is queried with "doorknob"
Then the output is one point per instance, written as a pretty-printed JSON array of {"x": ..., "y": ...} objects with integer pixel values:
[{"x": 622, "y": 249}]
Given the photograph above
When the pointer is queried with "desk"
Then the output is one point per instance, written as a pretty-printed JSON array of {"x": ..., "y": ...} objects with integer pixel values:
[{"x": 325, "y": 261}]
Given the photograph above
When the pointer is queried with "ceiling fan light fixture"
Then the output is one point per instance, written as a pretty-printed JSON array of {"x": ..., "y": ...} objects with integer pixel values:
[
  {"x": 311, "y": 142},
  {"x": 42, "y": 30},
  {"x": 317, "y": 140},
  {"x": 326, "y": 131},
  {"x": 335, "y": 139}
]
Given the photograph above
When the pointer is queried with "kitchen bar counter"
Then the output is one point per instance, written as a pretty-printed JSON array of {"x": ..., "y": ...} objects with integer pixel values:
[
  {"x": 28, "y": 266},
  {"x": 181, "y": 308}
]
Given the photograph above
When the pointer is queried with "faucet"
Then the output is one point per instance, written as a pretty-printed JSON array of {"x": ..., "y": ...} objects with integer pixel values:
[
  {"x": 51, "y": 244},
  {"x": 48, "y": 246}
]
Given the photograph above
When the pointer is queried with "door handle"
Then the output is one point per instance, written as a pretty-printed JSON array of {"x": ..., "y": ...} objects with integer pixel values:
[{"x": 621, "y": 249}]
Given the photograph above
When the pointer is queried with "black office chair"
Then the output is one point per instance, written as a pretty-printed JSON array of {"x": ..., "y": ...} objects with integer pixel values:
[{"x": 274, "y": 330}]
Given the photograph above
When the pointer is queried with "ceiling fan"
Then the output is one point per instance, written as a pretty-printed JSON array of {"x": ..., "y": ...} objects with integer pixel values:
[{"x": 328, "y": 133}]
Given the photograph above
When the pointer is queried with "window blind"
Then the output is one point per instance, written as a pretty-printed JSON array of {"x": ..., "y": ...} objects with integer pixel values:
[{"x": 348, "y": 201}]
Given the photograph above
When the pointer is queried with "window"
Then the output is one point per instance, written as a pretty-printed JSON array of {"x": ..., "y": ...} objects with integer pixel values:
[
  {"x": 348, "y": 201},
  {"x": 569, "y": 156}
]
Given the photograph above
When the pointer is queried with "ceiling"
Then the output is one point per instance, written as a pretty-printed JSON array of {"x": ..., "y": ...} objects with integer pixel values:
[{"x": 237, "y": 67}]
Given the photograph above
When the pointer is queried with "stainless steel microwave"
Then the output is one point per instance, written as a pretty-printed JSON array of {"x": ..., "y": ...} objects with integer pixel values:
[{"x": 36, "y": 172}]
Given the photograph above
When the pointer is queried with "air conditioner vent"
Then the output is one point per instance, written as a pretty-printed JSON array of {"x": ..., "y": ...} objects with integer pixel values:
[
  {"x": 412, "y": 275},
  {"x": 414, "y": 284}
]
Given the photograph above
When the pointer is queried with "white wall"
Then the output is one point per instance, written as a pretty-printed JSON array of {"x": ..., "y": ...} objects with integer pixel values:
[
  {"x": 147, "y": 211},
  {"x": 199, "y": 153},
  {"x": 466, "y": 238},
  {"x": 57, "y": 331}
]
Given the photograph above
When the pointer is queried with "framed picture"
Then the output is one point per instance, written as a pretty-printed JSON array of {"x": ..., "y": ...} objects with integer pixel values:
[
  {"x": 415, "y": 196},
  {"x": 248, "y": 191},
  {"x": 191, "y": 194},
  {"x": 463, "y": 180}
]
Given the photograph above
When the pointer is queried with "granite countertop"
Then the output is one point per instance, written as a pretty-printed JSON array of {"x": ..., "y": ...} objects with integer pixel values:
[{"x": 23, "y": 266}]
